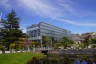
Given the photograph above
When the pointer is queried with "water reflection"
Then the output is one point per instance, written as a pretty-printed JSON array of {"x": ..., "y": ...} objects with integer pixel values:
[
  {"x": 84, "y": 62},
  {"x": 94, "y": 62},
  {"x": 64, "y": 59},
  {"x": 77, "y": 61}
]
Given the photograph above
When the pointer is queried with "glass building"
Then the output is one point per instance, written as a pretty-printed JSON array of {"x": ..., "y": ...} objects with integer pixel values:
[{"x": 37, "y": 31}]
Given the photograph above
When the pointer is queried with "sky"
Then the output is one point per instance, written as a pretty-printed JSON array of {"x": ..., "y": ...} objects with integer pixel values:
[{"x": 77, "y": 16}]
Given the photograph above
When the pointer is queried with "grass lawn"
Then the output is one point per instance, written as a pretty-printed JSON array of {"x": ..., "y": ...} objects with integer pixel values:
[{"x": 18, "y": 58}]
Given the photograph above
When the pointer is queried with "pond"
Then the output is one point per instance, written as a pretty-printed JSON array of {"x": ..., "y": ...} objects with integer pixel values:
[
  {"x": 65, "y": 59},
  {"x": 83, "y": 62}
]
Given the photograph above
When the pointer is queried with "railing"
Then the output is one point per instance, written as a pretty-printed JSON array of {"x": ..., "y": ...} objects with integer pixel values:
[
  {"x": 58, "y": 51},
  {"x": 74, "y": 51}
]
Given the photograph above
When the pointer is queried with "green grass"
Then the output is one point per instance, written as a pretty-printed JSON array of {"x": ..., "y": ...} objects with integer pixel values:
[{"x": 18, "y": 58}]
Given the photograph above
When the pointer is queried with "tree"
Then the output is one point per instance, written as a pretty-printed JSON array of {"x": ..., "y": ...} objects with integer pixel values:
[
  {"x": 81, "y": 45},
  {"x": 57, "y": 45},
  {"x": 2, "y": 48},
  {"x": 12, "y": 46},
  {"x": 35, "y": 44},
  {"x": 86, "y": 42},
  {"x": 12, "y": 21},
  {"x": 0, "y": 36},
  {"x": 93, "y": 42},
  {"x": 1, "y": 30},
  {"x": 45, "y": 40},
  {"x": 22, "y": 41},
  {"x": 66, "y": 42},
  {"x": 11, "y": 31}
]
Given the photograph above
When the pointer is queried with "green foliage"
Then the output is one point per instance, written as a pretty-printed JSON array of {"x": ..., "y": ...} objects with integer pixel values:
[
  {"x": 1, "y": 47},
  {"x": 66, "y": 42},
  {"x": 19, "y": 46},
  {"x": 35, "y": 44},
  {"x": 12, "y": 21},
  {"x": 10, "y": 31},
  {"x": 93, "y": 41},
  {"x": 57, "y": 45},
  {"x": 34, "y": 60},
  {"x": 45, "y": 40},
  {"x": 16, "y": 46},
  {"x": 86, "y": 41},
  {"x": 93, "y": 46},
  {"x": 12, "y": 46},
  {"x": 51, "y": 60},
  {"x": 63, "y": 42},
  {"x": 81, "y": 45},
  {"x": 89, "y": 41}
]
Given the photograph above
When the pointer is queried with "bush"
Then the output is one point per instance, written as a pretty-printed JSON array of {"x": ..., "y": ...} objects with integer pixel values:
[
  {"x": 1, "y": 47},
  {"x": 12, "y": 46},
  {"x": 51, "y": 60},
  {"x": 34, "y": 60}
]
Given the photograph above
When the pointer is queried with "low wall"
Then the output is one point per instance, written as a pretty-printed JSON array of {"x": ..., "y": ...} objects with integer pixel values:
[{"x": 74, "y": 51}]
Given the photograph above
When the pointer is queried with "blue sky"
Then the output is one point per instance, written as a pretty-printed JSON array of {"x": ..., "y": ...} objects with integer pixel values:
[{"x": 78, "y": 16}]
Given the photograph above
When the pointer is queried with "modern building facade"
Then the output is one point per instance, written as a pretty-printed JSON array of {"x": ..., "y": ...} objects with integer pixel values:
[{"x": 37, "y": 31}]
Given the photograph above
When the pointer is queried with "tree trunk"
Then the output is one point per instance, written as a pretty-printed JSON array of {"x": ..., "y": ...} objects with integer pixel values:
[{"x": 3, "y": 51}]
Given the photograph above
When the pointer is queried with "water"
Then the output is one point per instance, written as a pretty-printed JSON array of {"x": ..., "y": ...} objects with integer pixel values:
[
  {"x": 77, "y": 61},
  {"x": 65, "y": 59},
  {"x": 83, "y": 62}
]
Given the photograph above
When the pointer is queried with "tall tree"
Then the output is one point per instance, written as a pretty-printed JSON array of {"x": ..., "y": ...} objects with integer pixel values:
[
  {"x": 2, "y": 31},
  {"x": 12, "y": 21},
  {"x": 11, "y": 31}
]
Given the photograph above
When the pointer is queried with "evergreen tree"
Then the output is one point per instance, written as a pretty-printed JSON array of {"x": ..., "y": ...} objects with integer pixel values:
[
  {"x": 11, "y": 31},
  {"x": 1, "y": 30},
  {"x": 12, "y": 21}
]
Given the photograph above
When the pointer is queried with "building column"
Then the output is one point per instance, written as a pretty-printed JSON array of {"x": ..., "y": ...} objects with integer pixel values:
[
  {"x": 51, "y": 43},
  {"x": 41, "y": 43}
]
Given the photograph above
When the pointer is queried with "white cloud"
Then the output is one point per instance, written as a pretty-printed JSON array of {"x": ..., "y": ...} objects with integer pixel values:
[
  {"x": 41, "y": 8},
  {"x": 67, "y": 5},
  {"x": 71, "y": 8},
  {"x": 45, "y": 9},
  {"x": 78, "y": 24},
  {"x": 5, "y": 4}
]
